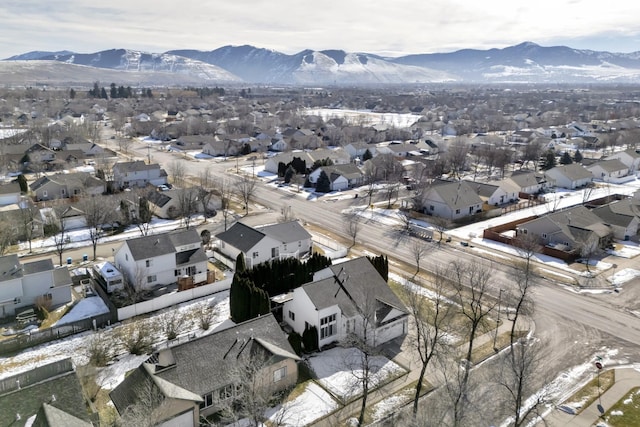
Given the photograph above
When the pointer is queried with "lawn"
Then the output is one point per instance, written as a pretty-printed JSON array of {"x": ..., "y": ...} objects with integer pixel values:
[
  {"x": 589, "y": 392},
  {"x": 626, "y": 412}
]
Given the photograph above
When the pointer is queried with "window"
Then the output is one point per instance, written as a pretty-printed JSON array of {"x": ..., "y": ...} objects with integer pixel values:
[
  {"x": 151, "y": 279},
  {"x": 207, "y": 401},
  {"x": 299, "y": 244},
  {"x": 524, "y": 231},
  {"x": 544, "y": 235},
  {"x": 255, "y": 254},
  {"x": 275, "y": 252},
  {"x": 457, "y": 211},
  {"x": 44, "y": 193},
  {"x": 328, "y": 326},
  {"x": 47, "y": 297},
  {"x": 149, "y": 262},
  {"x": 126, "y": 257},
  {"x": 177, "y": 272},
  {"x": 292, "y": 315},
  {"x": 432, "y": 208},
  {"x": 279, "y": 374},
  {"x": 191, "y": 270}
]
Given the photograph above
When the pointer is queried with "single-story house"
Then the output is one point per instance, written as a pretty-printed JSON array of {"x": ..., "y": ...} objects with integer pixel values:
[
  {"x": 630, "y": 157},
  {"x": 451, "y": 200},
  {"x": 570, "y": 176},
  {"x": 341, "y": 177},
  {"x": 608, "y": 170},
  {"x": 623, "y": 216}
]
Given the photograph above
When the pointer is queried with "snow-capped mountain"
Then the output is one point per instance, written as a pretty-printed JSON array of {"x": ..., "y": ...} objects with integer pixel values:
[{"x": 526, "y": 63}]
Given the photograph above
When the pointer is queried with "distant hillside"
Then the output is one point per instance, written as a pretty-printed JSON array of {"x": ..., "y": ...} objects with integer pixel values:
[{"x": 524, "y": 63}]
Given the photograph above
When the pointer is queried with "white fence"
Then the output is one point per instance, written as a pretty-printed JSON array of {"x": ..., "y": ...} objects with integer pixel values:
[
  {"x": 168, "y": 300},
  {"x": 331, "y": 248}
]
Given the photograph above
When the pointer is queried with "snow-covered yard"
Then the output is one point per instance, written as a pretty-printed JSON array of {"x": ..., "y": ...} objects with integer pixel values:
[{"x": 339, "y": 370}]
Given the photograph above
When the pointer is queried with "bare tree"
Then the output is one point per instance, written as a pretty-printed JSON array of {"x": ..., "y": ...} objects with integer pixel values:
[
  {"x": 97, "y": 214},
  {"x": 521, "y": 397},
  {"x": 172, "y": 323},
  {"x": 471, "y": 283},
  {"x": 187, "y": 199},
  {"x": 286, "y": 214},
  {"x": 225, "y": 191},
  {"x": 457, "y": 157},
  {"x": 245, "y": 188},
  {"x": 440, "y": 224},
  {"x": 418, "y": 250},
  {"x": 178, "y": 172},
  {"x": 527, "y": 246},
  {"x": 60, "y": 238},
  {"x": 144, "y": 215},
  {"x": 146, "y": 412},
  {"x": 352, "y": 224},
  {"x": 7, "y": 236},
  {"x": 205, "y": 190},
  {"x": 28, "y": 224},
  {"x": 589, "y": 246},
  {"x": 429, "y": 319}
]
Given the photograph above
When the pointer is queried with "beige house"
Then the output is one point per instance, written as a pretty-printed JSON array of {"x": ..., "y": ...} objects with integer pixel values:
[{"x": 199, "y": 377}]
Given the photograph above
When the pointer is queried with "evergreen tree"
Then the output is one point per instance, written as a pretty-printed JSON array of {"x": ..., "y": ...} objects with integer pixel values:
[
  {"x": 310, "y": 339},
  {"x": 72, "y": 93},
  {"x": 241, "y": 266},
  {"x": 323, "y": 185},
  {"x": 566, "y": 158},
  {"x": 549, "y": 160},
  {"x": 246, "y": 149},
  {"x": 114, "y": 91},
  {"x": 295, "y": 340},
  {"x": 577, "y": 156},
  {"x": 381, "y": 264},
  {"x": 22, "y": 182},
  {"x": 367, "y": 155},
  {"x": 299, "y": 165},
  {"x": 149, "y": 93},
  {"x": 288, "y": 174},
  {"x": 103, "y": 94}
]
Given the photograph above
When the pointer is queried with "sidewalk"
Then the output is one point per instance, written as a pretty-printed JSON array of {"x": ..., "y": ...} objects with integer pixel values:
[{"x": 626, "y": 379}]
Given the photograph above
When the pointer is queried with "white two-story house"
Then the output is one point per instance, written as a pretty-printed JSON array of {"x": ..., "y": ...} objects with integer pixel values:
[
  {"x": 162, "y": 259},
  {"x": 347, "y": 298},
  {"x": 262, "y": 244},
  {"x": 23, "y": 285},
  {"x": 138, "y": 174}
]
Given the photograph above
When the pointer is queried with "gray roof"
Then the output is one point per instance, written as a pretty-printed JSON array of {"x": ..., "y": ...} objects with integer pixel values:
[
  {"x": 457, "y": 194},
  {"x": 574, "y": 171},
  {"x": 620, "y": 212},
  {"x": 61, "y": 277},
  {"x": 241, "y": 236},
  {"x": 159, "y": 198},
  {"x": 50, "y": 416},
  {"x": 10, "y": 188},
  {"x": 205, "y": 364},
  {"x": 10, "y": 267},
  {"x": 184, "y": 237},
  {"x": 359, "y": 279},
  {"x": 38, "y": 266},
  {"x": 285, "y": 232},
  {"x": 190, "y": 257},
  {"x": 161, "y": 244},
  {"x": 484, "y": 189},
  {"x": 612, "y": 165},
  {"x": 75, "y": 178},
  {"x": 526, "y": 178},
  {"x": 150, "y": 246},
  {"x": 29, "y": 399},
  {"x": 135, "y": 166}
]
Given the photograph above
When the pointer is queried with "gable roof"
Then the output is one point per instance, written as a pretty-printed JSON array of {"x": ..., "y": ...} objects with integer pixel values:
[
  {"x": 525, "y": 178},
  {"x": 573, "y": 172},
  {"x": 135, "y": 166},
  {"x": 456, "y": 194},
  {"x": 10, "y": 188},
  {"x": 62, "y": 391},
  {"x": 241, "y": 236},
  {"x": 611, "y": 165},
  {"x": 348, "y": 284},
  {"x": 192, "y": 369},
  {"x": 284, "y": 232},
  {"x": 150, "y": 246}
]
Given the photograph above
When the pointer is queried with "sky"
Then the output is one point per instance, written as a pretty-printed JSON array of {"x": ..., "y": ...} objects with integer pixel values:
[{"x": 374, "y": 26}]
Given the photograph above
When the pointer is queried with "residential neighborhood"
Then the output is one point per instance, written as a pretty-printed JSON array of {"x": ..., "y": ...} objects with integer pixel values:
[{"x": 403, "y": 255}]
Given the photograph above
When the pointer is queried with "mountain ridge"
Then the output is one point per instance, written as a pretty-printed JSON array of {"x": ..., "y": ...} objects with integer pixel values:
[{"x": 526, "y": 62}]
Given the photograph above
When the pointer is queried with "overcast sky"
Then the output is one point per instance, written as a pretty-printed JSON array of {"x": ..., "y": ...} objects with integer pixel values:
[{"x": 389, "y": 27}]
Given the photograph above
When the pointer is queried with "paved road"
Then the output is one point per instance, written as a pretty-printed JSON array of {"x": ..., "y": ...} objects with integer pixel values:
[{"x": 550, "y": 298}]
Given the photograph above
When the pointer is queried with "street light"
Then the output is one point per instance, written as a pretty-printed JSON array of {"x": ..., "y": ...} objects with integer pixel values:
[{"x": 495, "y": 336}]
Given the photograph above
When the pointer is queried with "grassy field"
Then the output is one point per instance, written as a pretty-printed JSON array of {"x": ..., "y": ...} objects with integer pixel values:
[{"x": 589, "y": 392}]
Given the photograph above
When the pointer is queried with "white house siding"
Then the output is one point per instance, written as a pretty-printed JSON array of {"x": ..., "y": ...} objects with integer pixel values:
[
  {"x": 9, "y": 290},
  {"x": 163, "y": 267},
  {"x": 40, "y": 284},
  {"x": 339, "y": 184},
  {"x": 391, "y": 330},
  {"x": 74, "y": 222},
  {"x": 262, "y": 251},
  {"x": 9, "y": 199},
  {"x": 303, "y": 311}
]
